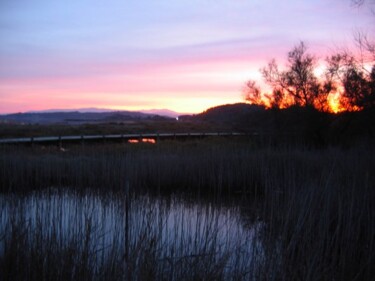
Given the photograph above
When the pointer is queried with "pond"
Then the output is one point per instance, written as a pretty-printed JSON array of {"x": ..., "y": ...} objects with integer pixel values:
[{"x": 166, "y": 237}]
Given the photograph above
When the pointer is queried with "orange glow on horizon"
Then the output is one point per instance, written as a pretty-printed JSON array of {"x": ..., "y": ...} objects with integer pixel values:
[
  {"x": 184, "y": 86},
  {"x": 337, "y": 104},
  {"x": 334, "y": 103}
]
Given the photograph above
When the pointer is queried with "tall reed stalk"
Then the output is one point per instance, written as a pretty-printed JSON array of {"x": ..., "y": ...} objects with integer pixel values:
[
  {"x": 70, "y": 236},
  {"x": 315, "y": 205}
]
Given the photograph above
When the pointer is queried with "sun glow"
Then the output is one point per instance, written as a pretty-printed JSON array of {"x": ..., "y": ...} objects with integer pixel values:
[
  {"x": 334, "y": 103},
  {"x": 339, "y": 104}
]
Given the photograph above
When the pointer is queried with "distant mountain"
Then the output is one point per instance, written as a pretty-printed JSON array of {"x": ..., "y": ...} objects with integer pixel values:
[
  {"x": 81, "y": 110},
  {"x": 161, "y": 112},
  {"x": 85, "y": 115},
  {"x": 76, "y": 117},
  {"x": 239, "y": 115}
]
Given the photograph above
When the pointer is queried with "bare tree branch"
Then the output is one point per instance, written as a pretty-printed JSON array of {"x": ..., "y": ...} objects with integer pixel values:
[{"x": 366, "y": 47}]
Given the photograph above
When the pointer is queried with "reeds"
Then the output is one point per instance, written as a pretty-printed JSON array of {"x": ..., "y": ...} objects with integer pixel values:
[
  {"x": 68, "y": 236},
  {"x": 190, "y": 167},
  {"x": 321, "y": 216},
  {"x": 315, "y": 206}
]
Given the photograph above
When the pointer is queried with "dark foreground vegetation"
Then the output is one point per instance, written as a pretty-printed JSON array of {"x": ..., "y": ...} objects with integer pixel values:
[{"x": 315, "y": 206}]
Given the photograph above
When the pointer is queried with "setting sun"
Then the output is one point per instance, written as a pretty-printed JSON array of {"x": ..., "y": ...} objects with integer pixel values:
[{"x": 334, "y": 103}]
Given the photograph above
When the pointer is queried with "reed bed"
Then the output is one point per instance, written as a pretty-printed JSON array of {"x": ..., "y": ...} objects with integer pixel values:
[
  {"x": 315, "y": 205},
  {"x": 321, "y": 217},
  {"x": 54, "y": 235}
]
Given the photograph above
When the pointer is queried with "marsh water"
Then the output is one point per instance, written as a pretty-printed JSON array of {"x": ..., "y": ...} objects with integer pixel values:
[{"x": 170, "y": 231}]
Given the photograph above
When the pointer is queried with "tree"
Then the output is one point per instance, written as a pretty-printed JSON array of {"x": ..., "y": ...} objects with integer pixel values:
[
  {"x": 361, "y": 2},
  {"x": 364, "y": 42},
  {"x": 253, "y": 93},
  {"x": 356, "y": 79},
  {"x": 297, "y": 85}
]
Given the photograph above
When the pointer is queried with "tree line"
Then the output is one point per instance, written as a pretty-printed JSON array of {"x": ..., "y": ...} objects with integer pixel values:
[{"x": 347, "y": 78}]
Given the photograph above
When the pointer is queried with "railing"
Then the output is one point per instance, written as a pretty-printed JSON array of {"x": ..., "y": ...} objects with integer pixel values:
[{"x": 156, "y": 136}]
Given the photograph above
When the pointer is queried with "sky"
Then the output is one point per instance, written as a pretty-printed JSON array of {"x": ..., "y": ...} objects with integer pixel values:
[{"x": 183, "y": 55}]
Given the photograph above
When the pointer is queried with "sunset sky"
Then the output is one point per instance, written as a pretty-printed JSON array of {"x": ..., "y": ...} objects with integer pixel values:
[{"x": 184, "y": 55}]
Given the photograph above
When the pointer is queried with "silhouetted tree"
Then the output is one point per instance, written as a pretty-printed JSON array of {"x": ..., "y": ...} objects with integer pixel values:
[
  {"x": 361, "y": 2},
  {"x": 297, "y": 85},
  {"x": 253, "y": 93},
  {"x": 355, "y": 78},
  {"x": 365, "y": 43}
]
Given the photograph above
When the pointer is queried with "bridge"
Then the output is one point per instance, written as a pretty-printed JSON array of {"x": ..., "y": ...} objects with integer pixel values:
[{"x": 147, "y": 137}]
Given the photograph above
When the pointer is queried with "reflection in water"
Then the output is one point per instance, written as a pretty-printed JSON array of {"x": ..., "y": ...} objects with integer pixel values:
[
  {"x": 144, "y": 140},
  {"x": 173, "y": 231}
]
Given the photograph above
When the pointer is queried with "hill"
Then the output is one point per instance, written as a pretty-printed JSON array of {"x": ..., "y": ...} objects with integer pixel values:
[
  {"x": 230, "y": 113},
  {"x": 237, "y": 117},
  {"x": 302, "y": 124}
]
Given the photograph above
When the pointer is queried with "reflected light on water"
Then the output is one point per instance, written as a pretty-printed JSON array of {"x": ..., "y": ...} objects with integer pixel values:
[
  {"x": 149, "y": 140},
  {"x": 144, "y": 140},
  {"x": 177, "y": 230}
]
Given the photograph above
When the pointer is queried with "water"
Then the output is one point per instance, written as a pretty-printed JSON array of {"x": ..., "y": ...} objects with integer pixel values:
[{"x": 170, "y": 232}]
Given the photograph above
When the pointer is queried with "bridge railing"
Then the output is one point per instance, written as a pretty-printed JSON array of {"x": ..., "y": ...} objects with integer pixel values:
[{"x": 158, "y": 136}]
